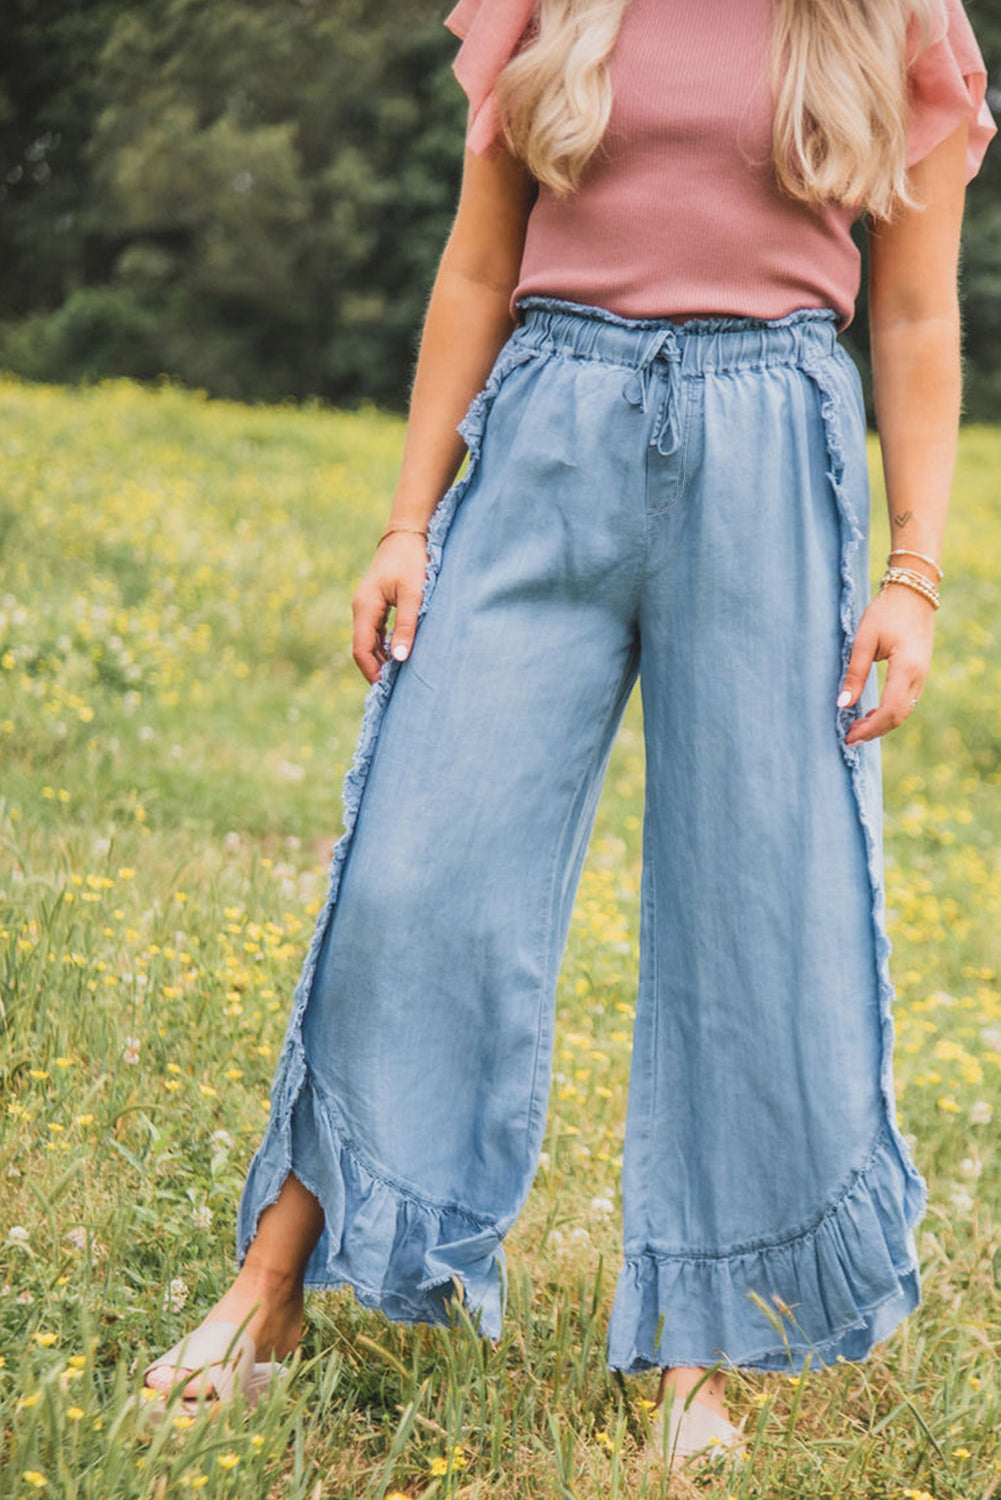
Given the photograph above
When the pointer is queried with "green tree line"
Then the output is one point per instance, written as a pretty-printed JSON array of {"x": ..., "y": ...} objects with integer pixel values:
[{"x": 251, "y": 196}]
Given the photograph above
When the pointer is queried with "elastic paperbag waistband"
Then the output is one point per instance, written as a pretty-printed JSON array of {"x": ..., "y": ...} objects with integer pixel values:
[{"x": 587, "y": 331}]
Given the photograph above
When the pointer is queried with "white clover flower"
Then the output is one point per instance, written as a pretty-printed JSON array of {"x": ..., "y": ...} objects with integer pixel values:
[
  {"x": 580, "y": 1235},
  {"x": 18, "y": 1234},
  {"x": 600, "y": 1207},
  {"x": 231, "y": 842},
  {"x": 77, "y": 1237},
  {"x": 24, "y": 1298},
  {"x": 202, "y": 1217},
  {"x": 971, "y": 1167},
  {"x": 130, "y": 1049},
  {"x": 981, "y": 1112},
  {"x": 961, "y": 1200},
  {"x": 175, "y": 1296},
  {"x": 221, "y": 1140}
]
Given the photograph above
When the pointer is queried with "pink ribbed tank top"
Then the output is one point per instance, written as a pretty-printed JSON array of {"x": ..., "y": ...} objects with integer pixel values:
[{"x": 678, "y": 213}]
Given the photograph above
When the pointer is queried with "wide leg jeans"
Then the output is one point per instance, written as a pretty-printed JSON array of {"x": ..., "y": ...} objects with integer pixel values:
[{"x": 688, "y": 503}]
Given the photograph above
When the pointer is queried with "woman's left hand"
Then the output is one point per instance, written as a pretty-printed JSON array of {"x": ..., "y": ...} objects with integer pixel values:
[{"x": 898, "y": 627}]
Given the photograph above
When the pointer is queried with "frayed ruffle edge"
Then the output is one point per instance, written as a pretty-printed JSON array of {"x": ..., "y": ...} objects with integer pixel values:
[
  {"x": 421, "y": 1223},
  {"x": 836, "y": 1289},
  {"x": 838, "y": 382},
  {"x": 412, "y": 1250},
  {"x": 714, "y": 323}
]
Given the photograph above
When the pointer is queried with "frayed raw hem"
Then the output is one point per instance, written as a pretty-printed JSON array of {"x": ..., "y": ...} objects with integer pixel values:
[
  {"x": 264, "y": 1182},
  {"x": 708, "y": 323},
  {"x": 864, "y": 759},
  {"x": 836, "y": 1289}
]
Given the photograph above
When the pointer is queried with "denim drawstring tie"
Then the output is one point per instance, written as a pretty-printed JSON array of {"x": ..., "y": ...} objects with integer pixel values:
[{"x": 663, "y": 345}]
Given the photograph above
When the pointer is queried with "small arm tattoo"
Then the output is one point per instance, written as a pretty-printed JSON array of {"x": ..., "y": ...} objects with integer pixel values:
[{"x": 903, "y": 518}]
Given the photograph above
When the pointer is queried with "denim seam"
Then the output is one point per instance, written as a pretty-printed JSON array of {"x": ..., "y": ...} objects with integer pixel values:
[
  {"x": 737, "y": 367},
  {"x": 398, "y": 1185},
  {"x": 852, "y": 536},
  {"x": 692, "y": 396},
  {"x": 654, "y": 972},
  {"x": 802, "y": 1231}
]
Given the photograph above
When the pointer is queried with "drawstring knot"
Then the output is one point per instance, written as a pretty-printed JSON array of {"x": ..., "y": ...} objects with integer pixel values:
[{"x": 663, "y": 345}]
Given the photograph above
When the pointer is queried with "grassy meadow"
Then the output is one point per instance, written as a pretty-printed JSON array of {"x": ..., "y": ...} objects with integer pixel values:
[{"x": 178, "y": 706}]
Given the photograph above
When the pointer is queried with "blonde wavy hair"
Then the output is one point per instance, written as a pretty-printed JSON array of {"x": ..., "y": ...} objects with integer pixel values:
[{"x": 837, "y": 73}]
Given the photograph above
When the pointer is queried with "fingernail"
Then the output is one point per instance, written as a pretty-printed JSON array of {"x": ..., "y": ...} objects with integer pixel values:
[
  {"x": 844, "y": 698},
  {"x": 400, "y": 652}
]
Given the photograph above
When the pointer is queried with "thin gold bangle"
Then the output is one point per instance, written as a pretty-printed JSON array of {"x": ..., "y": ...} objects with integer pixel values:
[{"x": 419, "y": 530}]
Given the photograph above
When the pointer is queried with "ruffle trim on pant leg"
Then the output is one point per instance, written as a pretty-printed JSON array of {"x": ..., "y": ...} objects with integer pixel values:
[
  {"x": 261, "y": 1187},
  {"x": 846, "y": 1282},
  {"x": 839, "y": 384},
  {"x": 398, "y": 1251}
]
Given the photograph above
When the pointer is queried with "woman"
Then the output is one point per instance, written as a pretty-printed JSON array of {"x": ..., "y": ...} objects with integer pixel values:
[{"x": 635, "y": 318}]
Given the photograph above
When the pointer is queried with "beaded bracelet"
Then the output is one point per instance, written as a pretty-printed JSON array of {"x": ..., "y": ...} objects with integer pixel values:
[
  {"x": 913, "y": 580},
  {"x": 909, "y": 552}
]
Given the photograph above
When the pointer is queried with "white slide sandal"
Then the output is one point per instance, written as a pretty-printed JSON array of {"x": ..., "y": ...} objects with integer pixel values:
[
  {"x": 224, "y": 1357},
  {"x": 697, "y": 1430}
]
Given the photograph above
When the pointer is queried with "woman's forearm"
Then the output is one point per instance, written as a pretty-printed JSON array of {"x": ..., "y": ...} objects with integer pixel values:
[
  {"x": 917, "y": 388},
  {"x": 466, "y": 324}
]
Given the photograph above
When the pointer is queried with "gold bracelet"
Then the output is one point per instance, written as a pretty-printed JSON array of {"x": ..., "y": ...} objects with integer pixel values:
[
  {"x": 420, "y": 531},
  {"x": 914, "y": 580},
  {"x": 909, "y": 552}
]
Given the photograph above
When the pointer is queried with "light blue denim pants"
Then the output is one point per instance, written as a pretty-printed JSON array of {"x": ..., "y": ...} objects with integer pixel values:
[{"x": 688, "y": 502}]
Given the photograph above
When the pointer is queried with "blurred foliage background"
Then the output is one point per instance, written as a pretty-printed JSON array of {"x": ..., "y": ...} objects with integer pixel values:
[{"x": 251, "y": 196}]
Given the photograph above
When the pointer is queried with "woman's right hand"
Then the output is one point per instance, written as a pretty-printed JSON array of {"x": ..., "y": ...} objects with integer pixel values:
[
  {"x": 395, "y": 577},
  {"x": 467, "y": 322}
]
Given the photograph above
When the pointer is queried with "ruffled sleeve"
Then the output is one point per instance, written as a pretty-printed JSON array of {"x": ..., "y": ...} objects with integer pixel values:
[
  {"x": 491, "y": 31},
  {"x": 947, "y": 84}
]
